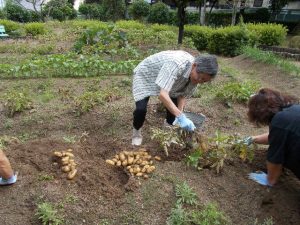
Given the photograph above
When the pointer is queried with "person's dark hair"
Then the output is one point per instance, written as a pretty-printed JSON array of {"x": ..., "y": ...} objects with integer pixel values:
[
  {"x": 266, "y": 103},
  {"x": 206, "y": 64}
]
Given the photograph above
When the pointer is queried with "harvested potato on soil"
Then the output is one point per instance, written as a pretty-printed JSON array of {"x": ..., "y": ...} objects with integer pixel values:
[
  {"x": 137, "y": 163},
  {"x": 66, "y": 160}
]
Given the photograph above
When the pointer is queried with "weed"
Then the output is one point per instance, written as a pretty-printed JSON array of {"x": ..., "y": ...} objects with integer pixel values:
[
  {"x": 268, "y": 221},
  {"x": 16, "y": 101},
  {"x": 185, "y": 194},
  {"x": 6, "y": 140},
  {"x": 210, "y": 215},
  {"x": 71, "y": 199},
  {"x": 178, "y": 216},
  {"x": 237, "y": 91},
  {"x": 45, "y": 177},
  {"x": 70, "y": 139},
  {"x": 48, "y": 214},
  {"x": 193, "y": 159}
]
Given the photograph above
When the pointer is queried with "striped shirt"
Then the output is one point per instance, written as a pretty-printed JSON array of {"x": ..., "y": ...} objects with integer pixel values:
[{"x": 168, "y": 70}]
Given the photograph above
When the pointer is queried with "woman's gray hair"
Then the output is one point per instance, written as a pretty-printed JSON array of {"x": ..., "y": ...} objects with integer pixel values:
[{"x": 206, "y": 64}]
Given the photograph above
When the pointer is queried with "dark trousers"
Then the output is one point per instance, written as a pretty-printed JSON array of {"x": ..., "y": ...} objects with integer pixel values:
[{"x": 140, "y": 112}]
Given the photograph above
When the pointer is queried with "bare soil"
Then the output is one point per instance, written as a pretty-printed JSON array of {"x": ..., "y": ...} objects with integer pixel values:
[{"x": 100, "y": 194}]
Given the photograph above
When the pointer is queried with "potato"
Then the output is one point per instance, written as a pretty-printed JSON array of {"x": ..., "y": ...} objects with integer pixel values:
[
  {"x": 122, "y": 157},
  {"x": 69, "y": 150},
  {"x": 137, "y": 157},
  {"x": 72, "y": 167},
  {"x": 148, "y": 157},
  {"x": 115, "y": 160},
  {"x": 157, "y": 158},
  {"x": 144, "y": 170},
  {"x": 124, "y": 163},
  {"x": 65, "y": 163},
  {"x": 69, "y": 154},
  {"x": 139, "y": 161},
  {"x": 151, "y": 162},
  {"x": 110, "y": 162},
  {"x": 71, "y": 161},
  {"x": 131, "y": 170},
  {"x": 128, "y": 167},
  {"x": 150, "y": 169},
  {"x": 146, "y": 176},
  {"x": 146, "y": 166},
  {"x": 65, "y": 169},
  {"x": 72, "y": 174},
  {"x": 58, "y": 154},
  {"x": 119, "y": 163},
  {"x": 117, "y": 157},
  {"x": 130, "y": 160},
  {"x": 66, "y": 158},
  {"x": 139, "y": 174},
  {"x": 142, "y": 150},
  {"x": 143, "y": 163}
]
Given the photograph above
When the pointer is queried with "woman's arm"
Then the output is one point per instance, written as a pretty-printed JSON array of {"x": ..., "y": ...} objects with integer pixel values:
[
  {"x": 168, "y": 103},
  {"x": 274, "y": 172},
  {"x": 261, "y": 139}
]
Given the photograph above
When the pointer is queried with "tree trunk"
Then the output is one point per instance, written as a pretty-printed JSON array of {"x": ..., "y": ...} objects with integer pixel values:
[
  {"x": 181, "y": 17},
  {"x": 233, "y": 19},
  {"x": 203, "y": 11},
  {"x": 126, "y": 10},
  {"x": 200, "y": 12}
]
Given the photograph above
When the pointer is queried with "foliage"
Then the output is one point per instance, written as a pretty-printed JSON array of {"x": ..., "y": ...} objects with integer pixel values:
[
  {"x": 295, "y": 42},
  {"x": 10, "y": 26},
  {"x": 159, "y": 13},
  {"x": 114, "y": 9},
  {"x": 48, "y": 214},
  {"x": 228, "y": 41},
  {"x": 237, "y": 91},
  {"x": 92, "y": 11},
  {"x": 185, "y": 194},
  {"x": 3, "y": 14},
  {"x": 130, "y": 24},
  {"x": 16, "y": 101},
  {"x": 271, "y": 58},
  {"x": 60, "y": 10},
  {"x": 16, "y": 13},
  {"x": 210, "y": 215},
  {"x": 35, "y": 29},
  {"x": 267, "y": 34},
  {"x": 69, "y": 65},
  {"x": 139, "y": 9},
  {"x": 178, "y": 216},
  {"x": 167, "y": 138},
  {"x": 199, "y": 34}
]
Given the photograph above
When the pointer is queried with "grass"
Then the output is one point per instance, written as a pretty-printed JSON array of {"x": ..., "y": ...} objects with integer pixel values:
[
  {"x": 270, "y": 58},
  {"x": 45, "y": 177},
  {"x": 47, "y": 213}
]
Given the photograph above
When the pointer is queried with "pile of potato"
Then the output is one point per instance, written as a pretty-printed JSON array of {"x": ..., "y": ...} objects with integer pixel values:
[
  {"x": 137, "y": 163},
  {"x": 67, "y": 163}
]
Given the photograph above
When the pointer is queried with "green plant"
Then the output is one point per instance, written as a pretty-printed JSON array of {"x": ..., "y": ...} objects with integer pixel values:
[
  {"x": 16, "y": 101},
  {"x": 10, "y": 26},
  {"x": 199, "y": 34},
  {"x": 178, "y": 216},
  {"x": 237, "y": 91},
  {"x": 210, "y": 215},
  {"x": 295, "y": 42},
  {"x": 86, "y": 102},
  {"x": 185, "y": 194},
  {"x": 159, "y": 13},
  {"x": 271, "y": 58},
  {"x": 60, "y": 10},
  {"x": 268, "y": 221},
  {"x": 167, "y": 138},
  {"x": 193, "y": 158},
  {"x": 139, "y": 9},
  {"x": 16, "y": 12},
  {"x": 35, "y": 29},
  {"x": 47, "y": 213},
  {"x": 45, "y": 177},
  {"x": 70, "y": 139}
]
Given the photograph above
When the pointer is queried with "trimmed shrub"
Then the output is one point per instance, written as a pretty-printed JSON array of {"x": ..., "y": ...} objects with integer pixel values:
[
  {"x": 160, "y": 27},
  {"x": 139, "y": 9},
  {"x": 35, "y": 29},
  {"x": 199, "y": 34},
  {"x": 268, "y": 33},
  {"x": 228, "y": 41},
  {"x": 159, "y": 13},
  {"x": 10, "y": 26},
  {"x": 92, "y": 11},
  {"x": 192, "y": 18},
  {"x": 295, "y": 42},
  {"x": 60, "y": 10}
]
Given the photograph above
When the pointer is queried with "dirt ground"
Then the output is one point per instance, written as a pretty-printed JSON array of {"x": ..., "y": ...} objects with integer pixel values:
[{"x": 101, "y": 194}]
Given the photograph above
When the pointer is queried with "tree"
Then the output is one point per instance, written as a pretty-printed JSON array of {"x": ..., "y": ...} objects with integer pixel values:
[
  {"x": 277, "y": 5},
  {"x": 37, "y": 6}
]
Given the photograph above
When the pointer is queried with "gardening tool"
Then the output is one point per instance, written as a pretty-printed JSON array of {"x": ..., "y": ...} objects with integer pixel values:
[{"x": 197, "y": 118}]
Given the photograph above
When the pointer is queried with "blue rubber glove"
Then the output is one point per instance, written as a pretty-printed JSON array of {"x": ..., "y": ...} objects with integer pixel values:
[
  {"x": 247, "y": 141},
  {"x": 261, "y": 178},
  {"x": 184, "y": 122}
]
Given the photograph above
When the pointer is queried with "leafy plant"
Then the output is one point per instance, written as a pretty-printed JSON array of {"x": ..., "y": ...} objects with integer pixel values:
[
  {"x": 35, "y": 29},
  {"x": 167, "y": 138},
  {"x": 237, "y": 91},
  {"x": 185, "y": 194},
  {"x": 210, "y": 215},
  {"x": 16, "y": 101},
  {"x": 70, "y": 139},
  {"x": 45, "y": 177},
  {"x": 48, "y": 214},
  {"x": 178, "y": 216}
]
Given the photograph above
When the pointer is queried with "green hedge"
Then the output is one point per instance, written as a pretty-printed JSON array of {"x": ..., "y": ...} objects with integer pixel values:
[
  {"x": 228, "y": 40},
  {"x": 199, "y": 34},
  {"x": 267, "y": 34},
  {"x": 10, "y": 26},
  {"x": 35, "y": 29}
]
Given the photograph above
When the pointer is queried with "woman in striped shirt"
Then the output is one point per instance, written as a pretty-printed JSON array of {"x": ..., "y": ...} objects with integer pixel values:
[{"x": 173, "y": 76}]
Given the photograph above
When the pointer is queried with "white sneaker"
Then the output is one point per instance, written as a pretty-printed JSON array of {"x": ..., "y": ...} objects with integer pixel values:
[{"x": 137, "y": 137}]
